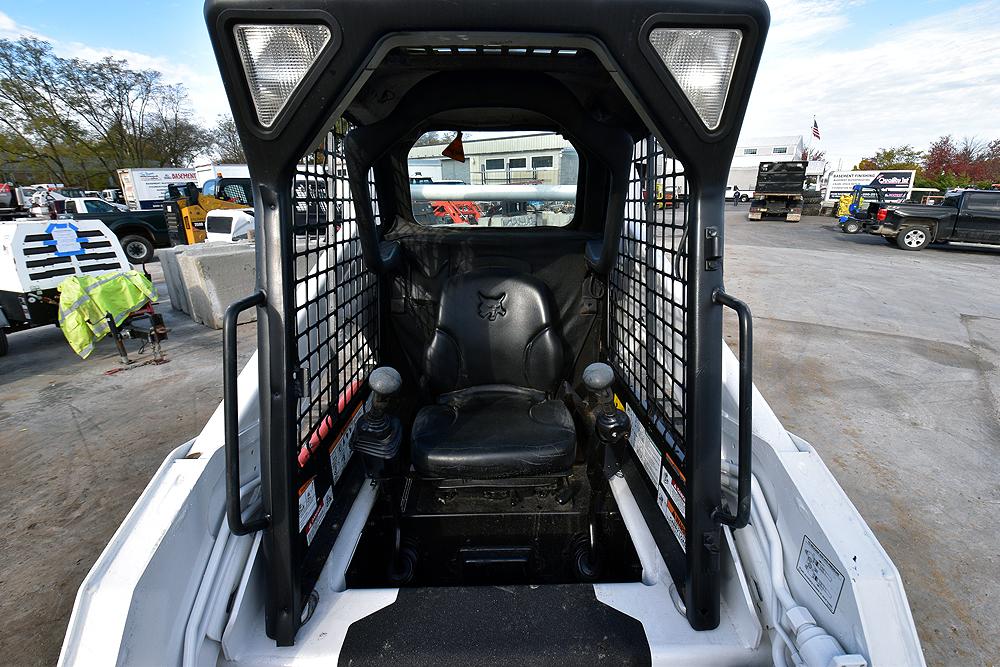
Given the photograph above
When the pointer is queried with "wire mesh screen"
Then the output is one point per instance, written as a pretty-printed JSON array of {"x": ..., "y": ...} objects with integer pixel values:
[
  {"x": 336, "y": 312},
  {"x": 648, "y": 327}
]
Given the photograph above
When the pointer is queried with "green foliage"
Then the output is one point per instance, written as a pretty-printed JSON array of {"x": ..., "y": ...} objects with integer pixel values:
[{"x": 74, "y": 121}]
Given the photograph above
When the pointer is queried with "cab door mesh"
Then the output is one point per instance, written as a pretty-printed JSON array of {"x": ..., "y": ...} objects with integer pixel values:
[
  {"x": 331, "y": 339},
  {"x": 336, "y": 297},
  {"x": 648, "y": 332}
]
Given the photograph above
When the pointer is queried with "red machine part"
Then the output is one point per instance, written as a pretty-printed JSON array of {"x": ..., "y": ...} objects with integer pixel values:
[{"x": 460, "y": 212}]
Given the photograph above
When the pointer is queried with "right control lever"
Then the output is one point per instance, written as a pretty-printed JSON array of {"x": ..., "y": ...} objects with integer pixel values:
[
  {"x": 612, "y": 427},
  {"x": 612, "y": 424}
]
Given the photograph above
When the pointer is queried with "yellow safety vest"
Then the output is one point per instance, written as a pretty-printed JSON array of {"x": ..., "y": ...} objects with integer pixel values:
[{"x": 84, "y": 302}]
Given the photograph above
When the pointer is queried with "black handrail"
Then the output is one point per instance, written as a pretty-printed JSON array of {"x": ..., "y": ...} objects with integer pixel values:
[
  {"x": 230, "y": 411},
  {"x": 722, "y": 514}
]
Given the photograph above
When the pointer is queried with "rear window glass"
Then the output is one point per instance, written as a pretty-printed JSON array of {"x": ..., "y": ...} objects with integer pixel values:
[{"x": 507, "y": 179}]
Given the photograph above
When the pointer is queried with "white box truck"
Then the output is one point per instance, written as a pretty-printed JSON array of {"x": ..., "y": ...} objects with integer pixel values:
[
  {"x": 211, "y": 170},
  {"x": 146, "y": 188}
]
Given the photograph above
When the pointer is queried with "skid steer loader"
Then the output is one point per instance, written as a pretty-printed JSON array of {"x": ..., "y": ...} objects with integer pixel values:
[{"x": 522, "y": 443}]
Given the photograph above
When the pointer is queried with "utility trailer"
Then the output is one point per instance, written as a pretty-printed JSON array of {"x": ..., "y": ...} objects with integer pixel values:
[
  {"x": 38, "y": 254},
  {"x": 779, "y": 190},
  {"x": 521, "y": 444}
]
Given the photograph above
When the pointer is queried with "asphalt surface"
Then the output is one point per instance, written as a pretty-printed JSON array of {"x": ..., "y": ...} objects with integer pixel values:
[{"x": 886, "y": 361}]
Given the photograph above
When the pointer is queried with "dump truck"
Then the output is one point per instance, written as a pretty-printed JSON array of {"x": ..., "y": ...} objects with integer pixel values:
[{"x": 779, "y": 190}]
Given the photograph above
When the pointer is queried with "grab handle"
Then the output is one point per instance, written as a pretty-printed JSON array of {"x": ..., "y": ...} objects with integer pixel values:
[
  {"x": 231, "y": 415},
  {"x": 722, "y": 514}
]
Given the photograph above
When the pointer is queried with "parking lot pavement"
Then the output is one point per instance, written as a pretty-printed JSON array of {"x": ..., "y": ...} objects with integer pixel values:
[
  {"x": 887, "y": 362},
  {"x": 77, "y": 447}
]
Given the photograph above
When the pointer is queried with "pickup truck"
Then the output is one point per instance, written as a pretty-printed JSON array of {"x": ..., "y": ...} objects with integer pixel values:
[
  {"x": 139, "y": 231},
  {"x": 971, "y": 216}
]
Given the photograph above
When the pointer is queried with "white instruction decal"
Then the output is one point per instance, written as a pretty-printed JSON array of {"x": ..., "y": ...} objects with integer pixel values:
[
  {"x": 673, "y": 490},
  {"x": 644, "y": 448},
  {"x": 317, "y": 520},
  {"x": 307, "y": 503},
  {"x": 675, "y": 522},
  {"x": 820, "y": 573},
  {"x": 340, "y": 450}
]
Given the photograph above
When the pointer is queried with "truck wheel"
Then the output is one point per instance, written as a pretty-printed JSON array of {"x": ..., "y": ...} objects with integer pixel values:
[
  {"x": 914, "y": 238},
  {"x": 138, "y": 249},
  {"x": 852, "y": 227},
  {"x": 3, "y": 342}
]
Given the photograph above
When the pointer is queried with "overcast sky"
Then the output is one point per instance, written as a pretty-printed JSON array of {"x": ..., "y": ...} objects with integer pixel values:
[{"x": 873, "y": 72}]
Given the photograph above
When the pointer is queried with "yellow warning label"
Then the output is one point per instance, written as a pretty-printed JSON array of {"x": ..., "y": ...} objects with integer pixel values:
[{"x": 618, "y": 402}]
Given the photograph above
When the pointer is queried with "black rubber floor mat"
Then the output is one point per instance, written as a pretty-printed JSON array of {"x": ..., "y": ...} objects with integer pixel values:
[{"x": 509, "y": 625}]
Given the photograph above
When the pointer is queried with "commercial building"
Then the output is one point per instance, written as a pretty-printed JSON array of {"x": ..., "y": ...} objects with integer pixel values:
[
  {"x": 750, "y": 152},
  {"x": 529, "y": 158}
]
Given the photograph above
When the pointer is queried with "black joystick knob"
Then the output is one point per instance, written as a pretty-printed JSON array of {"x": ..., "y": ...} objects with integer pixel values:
[
  {"x": 386, "y": 381},
  {"x": 598, "y": 377},
  {"x": 612, "y": 424},
  {"x": 379, "y": 434}
]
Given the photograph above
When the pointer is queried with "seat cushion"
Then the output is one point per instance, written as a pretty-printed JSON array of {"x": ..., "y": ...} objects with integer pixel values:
[{"x": 493, "y": 432}]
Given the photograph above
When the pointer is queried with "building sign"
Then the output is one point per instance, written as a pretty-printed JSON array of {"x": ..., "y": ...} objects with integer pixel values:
[{"x": 896, "y": 185}]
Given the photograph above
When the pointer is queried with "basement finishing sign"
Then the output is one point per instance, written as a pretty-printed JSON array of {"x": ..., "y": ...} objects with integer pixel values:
[{"x": 896, "y": 185}]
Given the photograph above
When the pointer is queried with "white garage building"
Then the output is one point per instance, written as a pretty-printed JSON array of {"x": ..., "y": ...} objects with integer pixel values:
[
  {"x": 751, "y": 151},
  {"x": 530, "y": 158}
]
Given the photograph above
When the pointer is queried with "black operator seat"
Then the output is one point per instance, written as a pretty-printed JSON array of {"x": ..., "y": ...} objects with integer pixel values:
[{"x": 496, "y": 357}]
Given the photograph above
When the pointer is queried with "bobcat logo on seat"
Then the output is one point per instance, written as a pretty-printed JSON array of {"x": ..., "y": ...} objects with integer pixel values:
[{"x": 491, "y": 307}]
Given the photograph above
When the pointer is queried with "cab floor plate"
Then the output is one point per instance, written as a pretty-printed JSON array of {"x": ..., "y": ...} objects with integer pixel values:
[{"x": 497, "y": 625}]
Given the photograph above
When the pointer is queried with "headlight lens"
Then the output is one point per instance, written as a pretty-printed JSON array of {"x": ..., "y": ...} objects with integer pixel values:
[
  {"x": 275, "y": 60},
  {"x": 702, "y": 61}
]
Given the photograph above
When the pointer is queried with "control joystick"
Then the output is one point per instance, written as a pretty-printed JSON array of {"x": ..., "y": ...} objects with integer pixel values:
[
  {"x": 612, "y": 424},
  {"x": 379, "y": 434}
]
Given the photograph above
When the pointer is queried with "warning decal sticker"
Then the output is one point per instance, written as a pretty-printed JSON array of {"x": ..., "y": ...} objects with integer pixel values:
[
  {"x": 674, "y": 520},
  {"x": 673, "y": 490},
  {"x": 644, "y": 448},
  {"x": 340, "y": 450},
  {"x": 317, "y": 520},
  {"x": 820, "y": 573},
  {"x": 307, "y": 503}
]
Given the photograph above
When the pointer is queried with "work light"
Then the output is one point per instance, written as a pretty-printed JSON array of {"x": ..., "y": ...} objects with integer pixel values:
[
  {"x": 701, "y": 60},
  {"x": 275, "y": 60}
]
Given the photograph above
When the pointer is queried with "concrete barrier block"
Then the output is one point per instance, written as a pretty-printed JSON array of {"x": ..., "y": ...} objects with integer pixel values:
[
  {"x": 176, "y": 289},
  {"x": 216, "y": 275}
]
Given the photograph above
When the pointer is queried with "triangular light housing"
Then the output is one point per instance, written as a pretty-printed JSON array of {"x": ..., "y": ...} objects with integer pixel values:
[
  {"x": 276, "y": 58},
  {"x": 701, "y": 61}
]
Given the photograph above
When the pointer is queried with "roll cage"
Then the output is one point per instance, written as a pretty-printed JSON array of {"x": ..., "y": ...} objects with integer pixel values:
[{"x": 328, "y": 289}]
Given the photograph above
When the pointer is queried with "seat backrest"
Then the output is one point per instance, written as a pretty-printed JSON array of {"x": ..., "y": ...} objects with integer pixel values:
[{"x": 495, "y": 326}]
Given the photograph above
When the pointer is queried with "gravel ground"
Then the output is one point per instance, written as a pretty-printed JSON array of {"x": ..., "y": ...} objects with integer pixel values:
[{"x": 885, "y": 360}]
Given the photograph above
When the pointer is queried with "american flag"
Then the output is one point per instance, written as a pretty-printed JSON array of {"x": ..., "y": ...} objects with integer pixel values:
[{"x": 815, "y": 128}]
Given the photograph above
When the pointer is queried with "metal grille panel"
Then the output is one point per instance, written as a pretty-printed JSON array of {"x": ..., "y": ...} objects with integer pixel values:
[
  {"x": 336, "y": 313},
  {"x": 648, "y": 328}
]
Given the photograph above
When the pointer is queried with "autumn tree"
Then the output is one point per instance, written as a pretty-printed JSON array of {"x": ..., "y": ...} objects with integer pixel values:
[{"x": 971, "y": 161}]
